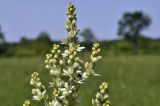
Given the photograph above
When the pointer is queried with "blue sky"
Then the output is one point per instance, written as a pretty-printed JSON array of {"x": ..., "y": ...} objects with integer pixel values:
[{"x": 30, "y": 17}]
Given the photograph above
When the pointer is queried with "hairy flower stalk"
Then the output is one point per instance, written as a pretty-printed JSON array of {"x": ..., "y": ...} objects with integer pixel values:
[{"x": 66, "y": 68}]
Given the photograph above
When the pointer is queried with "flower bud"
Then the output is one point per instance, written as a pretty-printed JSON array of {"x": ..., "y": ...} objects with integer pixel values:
[
  {"x": 98, "y": 95},
  {"x": 47, "y": 66},
  {"x": 74, "y": 22},
  {"x": 93, "y": 53},
  {"x": 74, "y": 53},
  {"x": 61, "y": 62},
  {"x": 56, "y": 56},
  {"x": 69, "y": 62},
  {"x": 71, "y": 57},
  {"x": 102, "y": 91},
  {"x": 68, "y": 27},
  {"x": 69, "y": 16}
]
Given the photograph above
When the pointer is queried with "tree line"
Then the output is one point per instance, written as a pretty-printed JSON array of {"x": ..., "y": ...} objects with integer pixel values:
[{"x": 129, "y": 29}]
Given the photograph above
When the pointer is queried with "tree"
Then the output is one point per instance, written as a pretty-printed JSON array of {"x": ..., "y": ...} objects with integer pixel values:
[
  {"x": 2, "y": 43},
  {"x": 88, "y": 35},
  {"x": 131, "y": 24},
  {"x": 42, "y": 42},
  {"x": 2, "y": 39},
  {"x": 43, "y": 37},
  {"x": 24, "y": 40}
]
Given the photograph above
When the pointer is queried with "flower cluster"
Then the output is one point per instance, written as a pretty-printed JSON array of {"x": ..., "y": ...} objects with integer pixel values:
[
  {"x": 27, "y": 103},
  {"x": 102, "y": 97},
  {"x": 53, "y": 61},
  {"x": 39, "y": 91},
  {"x": 95, "y": 53},
  {"x": 67, "y": 70}
]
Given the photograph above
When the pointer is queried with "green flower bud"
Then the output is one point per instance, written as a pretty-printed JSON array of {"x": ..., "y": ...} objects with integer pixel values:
[
  {"x": 27, "y": 103},
  {"x": 47, "y": 66},
  {"x": 74, "y": 53},
  {"x": 68, "y": 28},
  {"x": 77, "y": 59},
  {"x": 74, "y": 13},
  {"x": 98, "y": 50},
  {"x": 100, "y": 87},
  {"x": 102, "y": 91},
  {"x": 98, "y": 95},
  {"x": 56, "y": 56},
  {"x": 68, "y": 12},
  {"x": 53, "y": 51},
  {"x": 46, "y": 61},
  {"x": 61, "y": 62},
  {"x": 69, "y": 16},
  {"x": 71, "y": 57},
  {"x": 58, "y": 51},
  {"x": 69, "y": 62},
  {"x": 93, "y": 53},
  {"x": 74, "y": 22}
]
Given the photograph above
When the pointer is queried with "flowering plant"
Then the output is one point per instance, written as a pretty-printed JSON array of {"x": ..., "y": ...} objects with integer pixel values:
[{"x": 68, "y": 71}]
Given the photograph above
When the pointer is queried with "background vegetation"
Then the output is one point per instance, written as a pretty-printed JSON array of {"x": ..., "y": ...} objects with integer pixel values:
[
  {"x": 130, "y": 64},
  {"x": 133, "y": 80}
]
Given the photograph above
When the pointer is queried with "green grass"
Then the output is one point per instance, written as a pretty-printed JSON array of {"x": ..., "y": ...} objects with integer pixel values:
[{"x": 133, "y": 80}]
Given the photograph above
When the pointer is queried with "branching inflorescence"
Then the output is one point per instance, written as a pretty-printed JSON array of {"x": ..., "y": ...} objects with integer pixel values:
[{"x": 67, "y": 71}]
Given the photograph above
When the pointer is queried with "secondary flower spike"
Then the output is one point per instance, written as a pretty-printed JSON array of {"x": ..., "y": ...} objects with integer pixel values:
[{"x": 102, "y": 97}]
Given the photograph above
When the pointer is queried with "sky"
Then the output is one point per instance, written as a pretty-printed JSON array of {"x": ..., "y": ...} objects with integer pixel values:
[{"x": 30, "y": 17}]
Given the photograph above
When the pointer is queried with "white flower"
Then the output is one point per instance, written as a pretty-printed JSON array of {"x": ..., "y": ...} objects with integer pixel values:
[
  {"x": 106, "y": 96},
  {"x": 38, "y": 95},
  {"x": 54, "y": 103},
  {"x": 68, "y": 89},
  {"x": 75, "y": 65},
  {"x": 70, "y": 44},
  {"x": 95, "y": 59},
  {"x": 68, "y": 72},
  {"x": 47, "y": 66},
  {"x": 65, "y": 54},
  {"x": 48, "y": 56},
  {"x": 53, "y": 61},
  {"x": 54, "y": 72},
  {"x": 98, "y": 95},
  {"x": 38, "y": 84},
  {"x": 89, "y": 69},
  {"x": 57, "y": 82},
  {"x": 85, "y": 75},
  {"x": 88, "y": 66},
  {"x": 95, "y": 102},
  {"x": 80, "y": 48},
  {"x": 32, "y": 82}
]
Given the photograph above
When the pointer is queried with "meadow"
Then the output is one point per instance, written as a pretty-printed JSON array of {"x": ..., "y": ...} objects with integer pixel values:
[{"x": 133, "y": 80}]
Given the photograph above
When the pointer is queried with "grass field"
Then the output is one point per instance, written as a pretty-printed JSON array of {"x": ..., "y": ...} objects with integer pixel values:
[{"x": 133, "y": 80}]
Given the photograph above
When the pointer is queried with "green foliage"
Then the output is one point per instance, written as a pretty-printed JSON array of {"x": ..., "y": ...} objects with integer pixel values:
[{"x": 35, "y": 48}]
